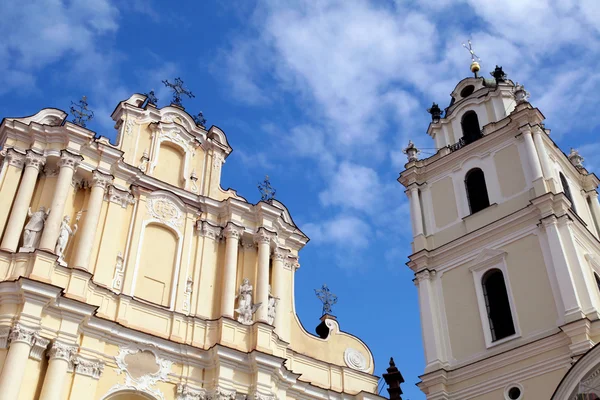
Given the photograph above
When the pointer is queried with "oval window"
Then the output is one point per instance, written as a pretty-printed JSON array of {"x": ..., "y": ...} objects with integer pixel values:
[{"x": 467, "y": 91}]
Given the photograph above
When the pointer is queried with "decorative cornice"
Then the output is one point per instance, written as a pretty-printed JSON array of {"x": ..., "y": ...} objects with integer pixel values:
[
  {"x": 208, "y": 230},
  {"x": 280, "y": 254},
  {"x": 38, "y": 348},
  {"x": 69, "y": 160},
  {"x": 34, "y": 160},
  {"x": 185, "y": 392},
  {"x": 233, "y": 231},
  {"x": 118, "y": 196},
  {"x": 62, "y": 351},
  {"x": 21, "y": 334},
  {"x": 15, "y": 158},
  {"x": 91, "y": 368},
  {"x": 424, "y": 275},
  {"x": 263, "y": 236},
  {"x": 101, "y": 180}
]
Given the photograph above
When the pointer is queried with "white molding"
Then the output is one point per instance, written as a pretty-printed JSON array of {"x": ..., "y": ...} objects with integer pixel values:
[{"x": 487, "y": 260}]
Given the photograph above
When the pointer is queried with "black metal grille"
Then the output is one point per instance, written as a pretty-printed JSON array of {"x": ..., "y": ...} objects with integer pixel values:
[{"x": 462, "y": 142}]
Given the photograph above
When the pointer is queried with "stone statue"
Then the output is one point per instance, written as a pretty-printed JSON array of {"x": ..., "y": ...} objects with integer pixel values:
[
  {"x": 245, "y": 308},
  {"x": 272, "y": 304},
  {"x": 33, "y": 230},
  {"x": 65, "y": 233}
]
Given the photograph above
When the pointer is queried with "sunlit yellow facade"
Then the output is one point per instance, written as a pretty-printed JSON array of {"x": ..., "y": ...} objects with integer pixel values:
[{"x": 128, "y": 283}]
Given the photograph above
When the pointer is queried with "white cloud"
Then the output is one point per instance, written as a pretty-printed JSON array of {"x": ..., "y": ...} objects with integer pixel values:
[{"x": 346, "y": 231}]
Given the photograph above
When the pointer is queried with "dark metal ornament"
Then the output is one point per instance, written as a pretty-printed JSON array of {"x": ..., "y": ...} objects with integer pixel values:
[
  {"x": 81, "y": 113},
  {"x": 327, "y": 298},
  {"x": 267, "y": 193},
  {"x": 178, "y": 91}
]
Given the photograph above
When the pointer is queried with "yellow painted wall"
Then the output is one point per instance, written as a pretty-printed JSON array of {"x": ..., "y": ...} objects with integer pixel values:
[{"x": 444, "y": 202}]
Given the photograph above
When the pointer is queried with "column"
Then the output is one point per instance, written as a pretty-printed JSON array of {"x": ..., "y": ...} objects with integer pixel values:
[
  {"x": 430, "y": 328},
  {"x": 534, "y": 161},
  {"x": 595, "y": 208},
  {"x": 68, "y": 164},
  {"x": 263, "y": 239},
  {"x": 232, "y": 235},
  {"x": 415, "y": 211},
  {"x": 14, "y": 167},
  {"x": 278, "y": 290},
  {"x": 562, "y": 270},
  {"x": 87, "y": 373},
  {"x": 33, "y": 164},
  {"x": 21, "y": 340},
  {"x": 543, "y": 155},
  {"x": 59, "y": 357},
  {"x": 100, "y": 182}
]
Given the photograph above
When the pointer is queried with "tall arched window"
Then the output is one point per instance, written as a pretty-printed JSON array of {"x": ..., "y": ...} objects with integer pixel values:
[
  {"x": 470, "y": 127},
  {"x": 497, "y": 305},
  {"x": 476, "y": 190},
  {"x": 567, "y": 190}
]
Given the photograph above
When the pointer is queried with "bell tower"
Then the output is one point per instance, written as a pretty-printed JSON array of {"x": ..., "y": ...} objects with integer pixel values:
[{"x": 506, "y": 250}]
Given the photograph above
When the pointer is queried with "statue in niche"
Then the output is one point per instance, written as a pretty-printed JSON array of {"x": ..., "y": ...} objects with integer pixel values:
[
  {"x": 272, "y": 304},
  {"x": 66, "y": 232},
  {"x": 245, "y": 308},
  {"x": 33, "y": 230}
]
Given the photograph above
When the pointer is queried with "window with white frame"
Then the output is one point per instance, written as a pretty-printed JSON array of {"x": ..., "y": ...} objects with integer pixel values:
[{"x": 494, "y": 297}]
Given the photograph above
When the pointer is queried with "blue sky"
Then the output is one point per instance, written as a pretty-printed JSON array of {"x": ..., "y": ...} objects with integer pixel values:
[{"x": 322, "y": 96}]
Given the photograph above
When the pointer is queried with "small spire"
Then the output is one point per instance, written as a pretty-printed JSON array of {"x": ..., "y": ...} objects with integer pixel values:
[
  {"x": 152, "y": 99},
  {"x": 475, "y": 67},
  {"x": 575, "y": 158},
  {"x": 199, "y": 119},
  {"x": 393, "y": 378},
  {"x": 521, "y": 95},
  {"x": 436, "y": 113},
  {"x": 267, "y": 193},
  {"x": 411, "y": 151}
]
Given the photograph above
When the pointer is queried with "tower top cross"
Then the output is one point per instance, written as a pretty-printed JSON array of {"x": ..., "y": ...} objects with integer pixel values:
[
  {"x": 178, "y": 91},
  {"x": 474, "y": 58},
  {"x": 327, "y": 298}
]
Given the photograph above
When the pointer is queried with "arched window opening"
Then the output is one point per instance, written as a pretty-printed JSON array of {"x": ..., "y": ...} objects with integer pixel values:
[
  {"x": 497, "y": 305},
  {"x": 476, "y": 190},
  {"x": 597, "y": 280},
  {"x": 567, "y": 190},
  {"x": 470, "y": 127}
]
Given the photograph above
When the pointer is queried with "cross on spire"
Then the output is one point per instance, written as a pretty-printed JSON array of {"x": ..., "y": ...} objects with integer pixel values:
[
  {"x": 178, "y": 91},
  {"x": 327, "y": 298},
  {"x": 81, "y": 113},
  {"x": 474, "y": 57},
  {"x": 267, "y": 193}
]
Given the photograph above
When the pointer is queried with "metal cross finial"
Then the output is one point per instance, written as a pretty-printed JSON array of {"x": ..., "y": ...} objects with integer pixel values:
[
  {"x": 152, "y": 99},
  {"x": 178, "y": 90},
  {"x": 327, "y": 298},
  {"x": 474, "y": 57},
  {"x": 81, "y": 113},
  {"x": 199, "y": 119},
  {"x": 267, "y": 193}
]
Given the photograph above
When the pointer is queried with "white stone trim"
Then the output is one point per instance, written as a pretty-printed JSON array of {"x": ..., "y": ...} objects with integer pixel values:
[
  {"x": 355, "y": 360},
  {"x": 486, "y": 260},
  {"x": 146, "y": 382},
  {"x": 87, "y": 367}
]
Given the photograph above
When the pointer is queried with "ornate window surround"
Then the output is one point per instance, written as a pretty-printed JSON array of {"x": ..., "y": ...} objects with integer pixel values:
[
  {"x": 174, "y": 224},
  {"x": 178, "y": 137},
  {"x": 486, "y": 260}
]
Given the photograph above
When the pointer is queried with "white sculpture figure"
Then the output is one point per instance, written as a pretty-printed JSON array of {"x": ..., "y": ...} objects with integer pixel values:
[
  {"x": 65, "y": 232},
  {"x": 33, "y": 230},
  {"x": 245, "y": 308},
  {"x": 272, "y": 304}
]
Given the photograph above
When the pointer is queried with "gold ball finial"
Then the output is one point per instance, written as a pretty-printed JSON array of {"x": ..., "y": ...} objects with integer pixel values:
[{"x": 475, "y": 67}]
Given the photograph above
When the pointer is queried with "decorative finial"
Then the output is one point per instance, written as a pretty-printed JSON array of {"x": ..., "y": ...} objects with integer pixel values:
[
  {"x": 81, "y": 113},
  {"x": 498, "y": 74},
  {"x": 178, "y": 90},
  {"x": 267, "y": 193},
  {"x": 411, "y": 151},
  {"x": 327, "y": 298},
  {"x": 475, "y": 67},
  {"x": 521, "y": 95},
  {"x": 436, "y": 113},
  {"x": 152, "y": 99},
  {"x": 199, "y": 119},
  {"x": 575, "y": 158}
]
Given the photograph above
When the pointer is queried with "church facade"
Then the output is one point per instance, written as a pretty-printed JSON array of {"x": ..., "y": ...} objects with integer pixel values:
[
  {"x": 127, "y": 272},
  {"x": 506, "y": 252}
]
